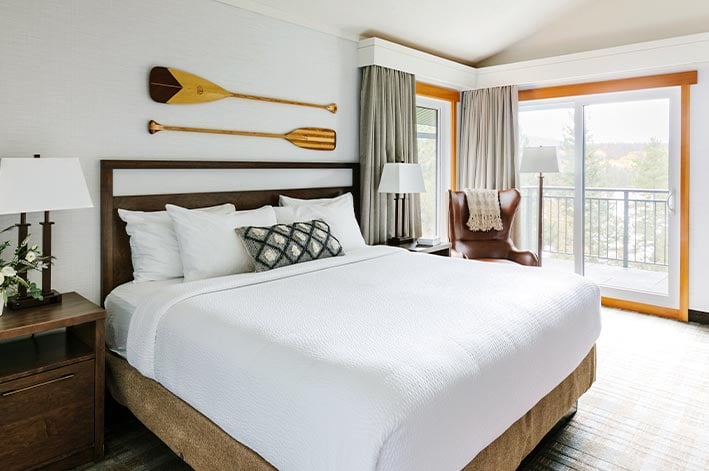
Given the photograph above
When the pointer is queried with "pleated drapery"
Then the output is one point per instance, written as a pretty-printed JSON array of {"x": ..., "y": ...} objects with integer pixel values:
[
  {"x": 387, "y": 133},
  {"x": 489, "y": 141}
]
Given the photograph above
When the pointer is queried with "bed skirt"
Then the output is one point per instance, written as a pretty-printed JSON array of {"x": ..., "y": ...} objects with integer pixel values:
[{"x": 205, "y": 446}]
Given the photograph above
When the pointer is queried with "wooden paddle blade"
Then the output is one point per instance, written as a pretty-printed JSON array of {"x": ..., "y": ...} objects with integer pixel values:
[
  {"x": 176, "y": 87},
  {"x": 313, "y": 138}
]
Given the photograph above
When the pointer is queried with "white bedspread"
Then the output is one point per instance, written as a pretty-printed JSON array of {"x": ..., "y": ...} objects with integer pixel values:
[{"x": 382, "y": 359}]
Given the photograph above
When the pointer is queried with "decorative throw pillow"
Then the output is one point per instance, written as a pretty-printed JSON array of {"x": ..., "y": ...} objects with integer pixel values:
[{"x": 288, "y": 244}]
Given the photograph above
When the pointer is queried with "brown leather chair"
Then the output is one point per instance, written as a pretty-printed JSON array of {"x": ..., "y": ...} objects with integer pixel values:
[{"x": 490, "y": 246}]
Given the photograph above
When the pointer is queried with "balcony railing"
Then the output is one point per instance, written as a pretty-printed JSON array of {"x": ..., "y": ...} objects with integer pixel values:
[{"x": 623, "y": 226}]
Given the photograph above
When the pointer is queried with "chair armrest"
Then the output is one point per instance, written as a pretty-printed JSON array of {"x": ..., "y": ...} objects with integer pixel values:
[{"x": 523, "y": 257}]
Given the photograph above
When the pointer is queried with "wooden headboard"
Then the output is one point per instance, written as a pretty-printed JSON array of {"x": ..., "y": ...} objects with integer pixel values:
[{"x": 116, "y": 266}]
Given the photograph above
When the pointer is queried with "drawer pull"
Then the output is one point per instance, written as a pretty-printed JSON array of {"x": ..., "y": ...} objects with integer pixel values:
[{"x": 44, "y": 383}]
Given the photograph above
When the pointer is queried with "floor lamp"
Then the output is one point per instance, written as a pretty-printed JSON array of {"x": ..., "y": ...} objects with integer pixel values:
[{"x": 540, "y": 160}]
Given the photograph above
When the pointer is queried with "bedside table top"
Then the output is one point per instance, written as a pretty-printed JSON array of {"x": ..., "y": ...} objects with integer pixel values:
[
  {"x": 414, "y": 247},
  {"x": 73, "y": 310}
]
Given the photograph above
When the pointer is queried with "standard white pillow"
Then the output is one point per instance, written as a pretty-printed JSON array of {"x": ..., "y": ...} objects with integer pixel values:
[
  {"x": 284, "y": 200},
  {"x": 209, "y": 245},
  {"x": 337, "y": 212},
  {"x": 153, "y": 243},
  {"x": 284, "y": 214}
]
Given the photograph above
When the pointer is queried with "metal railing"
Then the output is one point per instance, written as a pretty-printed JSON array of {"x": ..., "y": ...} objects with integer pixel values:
[{"x": 623, "y": 226}]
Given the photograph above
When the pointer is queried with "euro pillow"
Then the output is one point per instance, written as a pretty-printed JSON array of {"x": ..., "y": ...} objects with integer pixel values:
[
  {"x": 153, "y": 243},
  {"x": 287, "y": 244},
  {"x": 209, "y": 246},
  {"x": 337, "y": 212}
]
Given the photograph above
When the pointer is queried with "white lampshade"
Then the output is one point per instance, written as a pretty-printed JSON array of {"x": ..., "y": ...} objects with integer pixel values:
[
  {"x": 35, "y": 185},
  {"x": 401, "y": 178},
  {"x": 539, "y": 159}
]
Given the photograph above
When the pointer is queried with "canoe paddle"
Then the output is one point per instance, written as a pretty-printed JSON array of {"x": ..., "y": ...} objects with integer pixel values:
[
  {"x": 176, "y": 87},
  {"x": 307, "y": 138}
]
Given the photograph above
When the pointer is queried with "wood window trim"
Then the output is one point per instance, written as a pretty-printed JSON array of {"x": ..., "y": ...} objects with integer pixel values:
[
  {"x": 678, "y": 79},
  {"x": 684, "y": 80},
  {"x": 452, "y": 96}
]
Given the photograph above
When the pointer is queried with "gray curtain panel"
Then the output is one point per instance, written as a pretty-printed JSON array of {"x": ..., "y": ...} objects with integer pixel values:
[
  {"x": 489, "y": 141},
  {"x": 387, "y": 133}
]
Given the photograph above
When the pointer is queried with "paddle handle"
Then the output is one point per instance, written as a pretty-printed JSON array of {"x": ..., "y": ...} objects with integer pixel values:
[
  {"x": 154, "y": 127},
  {"x": 331, "y": 107}
]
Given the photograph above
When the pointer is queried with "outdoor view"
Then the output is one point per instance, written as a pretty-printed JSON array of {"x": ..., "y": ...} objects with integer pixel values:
[
  {"x": 626, "y": 209},
  {"x": 427, "y": 135}
]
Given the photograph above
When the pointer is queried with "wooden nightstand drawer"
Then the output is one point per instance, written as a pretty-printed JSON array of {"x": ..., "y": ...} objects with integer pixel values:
[{"x": 46, "y": 414}]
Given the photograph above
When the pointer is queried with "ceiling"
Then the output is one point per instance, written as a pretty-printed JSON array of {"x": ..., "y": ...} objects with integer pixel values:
[
  {"x": 466, "y": 31},
  {"x": 606, "y": 23},
  {"x": 485, "y": 32}
]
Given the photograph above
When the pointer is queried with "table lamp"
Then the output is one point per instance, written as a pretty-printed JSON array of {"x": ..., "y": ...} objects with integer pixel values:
[
  {"x": 540, "y": 159},
  {"x": 401, "y": 179},
  {"x": 40, "y": 185}
]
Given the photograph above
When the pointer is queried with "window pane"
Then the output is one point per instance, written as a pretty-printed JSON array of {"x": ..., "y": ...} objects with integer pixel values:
[
  {"x": 550, "y": 127},
  {"x": 427, "y": 136}
]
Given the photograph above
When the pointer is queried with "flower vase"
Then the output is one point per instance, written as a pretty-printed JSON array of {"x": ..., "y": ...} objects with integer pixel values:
[{"x": 3, "y": 300}]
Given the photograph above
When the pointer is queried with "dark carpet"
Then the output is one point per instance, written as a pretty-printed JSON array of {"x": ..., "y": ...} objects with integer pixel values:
[{"x": 648, "y": 410}]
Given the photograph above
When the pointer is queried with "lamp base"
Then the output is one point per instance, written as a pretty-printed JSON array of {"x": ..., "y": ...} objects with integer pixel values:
[
  {"x": 16, "y": 303},
  {"x": 400, "y": 240}
]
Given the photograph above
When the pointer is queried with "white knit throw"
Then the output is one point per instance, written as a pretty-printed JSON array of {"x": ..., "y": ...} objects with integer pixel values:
[{"x": 484, "y": 208}]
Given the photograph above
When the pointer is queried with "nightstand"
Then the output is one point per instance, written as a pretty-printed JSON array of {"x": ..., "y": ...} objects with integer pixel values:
[
  {"x": 52, "y": 385},
  {"x": 443, "y": 249}
]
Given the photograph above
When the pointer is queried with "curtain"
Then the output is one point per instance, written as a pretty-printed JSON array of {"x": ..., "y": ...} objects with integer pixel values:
[
  {"x": 387, "y": 133},
  {"x": 489, "y": 144}
]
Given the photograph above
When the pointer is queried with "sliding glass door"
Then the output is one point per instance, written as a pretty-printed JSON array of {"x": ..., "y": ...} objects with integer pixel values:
[
  {"x": 551, "y": 124},
  {"x": 610, "y": 214}
]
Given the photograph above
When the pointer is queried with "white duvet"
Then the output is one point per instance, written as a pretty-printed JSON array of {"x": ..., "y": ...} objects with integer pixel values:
[{"x": 382, "y": 359}]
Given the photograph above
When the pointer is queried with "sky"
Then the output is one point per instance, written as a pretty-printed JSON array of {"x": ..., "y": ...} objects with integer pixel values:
[{"x": 634, "y": 121}]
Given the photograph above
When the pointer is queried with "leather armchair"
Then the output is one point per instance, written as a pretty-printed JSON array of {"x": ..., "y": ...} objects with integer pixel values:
[{"x": 491, "y": 245}]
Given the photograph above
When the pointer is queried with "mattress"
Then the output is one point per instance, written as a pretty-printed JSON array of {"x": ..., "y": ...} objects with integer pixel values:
[
  {"x": 383, "y": 359},
  {"x": 120, "y": 305}
]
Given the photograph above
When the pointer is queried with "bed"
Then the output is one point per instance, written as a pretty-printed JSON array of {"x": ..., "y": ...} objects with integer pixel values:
[{"x": 353, "y": 362}]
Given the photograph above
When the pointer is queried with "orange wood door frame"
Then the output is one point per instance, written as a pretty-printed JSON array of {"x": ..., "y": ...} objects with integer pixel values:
[
  {"x": 684, "y": 80},
  {"x": 452, "y": 96}
]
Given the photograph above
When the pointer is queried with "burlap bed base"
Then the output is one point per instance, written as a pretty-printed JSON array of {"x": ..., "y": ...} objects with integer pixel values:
[{"x": 205, "y": 446}]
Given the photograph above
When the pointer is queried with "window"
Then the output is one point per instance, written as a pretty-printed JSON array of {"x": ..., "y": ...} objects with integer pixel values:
[{"x": 433, "y": 128}]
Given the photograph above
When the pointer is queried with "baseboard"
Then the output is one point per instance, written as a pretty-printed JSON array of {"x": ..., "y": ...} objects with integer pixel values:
[{"x": 698, "y": 316}]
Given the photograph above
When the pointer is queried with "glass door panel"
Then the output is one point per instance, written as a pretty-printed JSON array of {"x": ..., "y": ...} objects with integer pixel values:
[
  {"x": 628, "y": 197},
  {"x": 550, "y": 126}
]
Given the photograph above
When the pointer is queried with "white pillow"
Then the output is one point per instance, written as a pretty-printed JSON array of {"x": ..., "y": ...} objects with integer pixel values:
[
  {"x": 284, "y": 214},
  {"x": 209, "y": 246},
  {"x": 284, "y": 200},
  {"x": 153, "y": 243},
  {"x": 337, "y": 212}
]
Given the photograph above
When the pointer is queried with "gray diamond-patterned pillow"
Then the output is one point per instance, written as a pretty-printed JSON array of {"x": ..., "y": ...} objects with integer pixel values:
[{"x": 287, "y": 244}]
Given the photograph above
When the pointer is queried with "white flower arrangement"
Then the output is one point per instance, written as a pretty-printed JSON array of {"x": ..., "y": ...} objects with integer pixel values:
[{"x": 25, "y": 258}]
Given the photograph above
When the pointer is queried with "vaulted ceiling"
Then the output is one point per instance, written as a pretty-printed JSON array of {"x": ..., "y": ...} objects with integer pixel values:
[{"x": 486, "y": 32}]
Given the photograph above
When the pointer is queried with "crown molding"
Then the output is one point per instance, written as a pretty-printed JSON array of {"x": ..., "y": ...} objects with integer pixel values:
[
  {"x": 665, "y": 55},
  {"x": 289, "y": 17}
]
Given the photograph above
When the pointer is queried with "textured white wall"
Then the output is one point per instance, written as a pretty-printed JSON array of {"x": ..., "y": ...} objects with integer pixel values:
[
  {"x": 74, "y": 83},
  {"x": 698, "y": 206}
]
